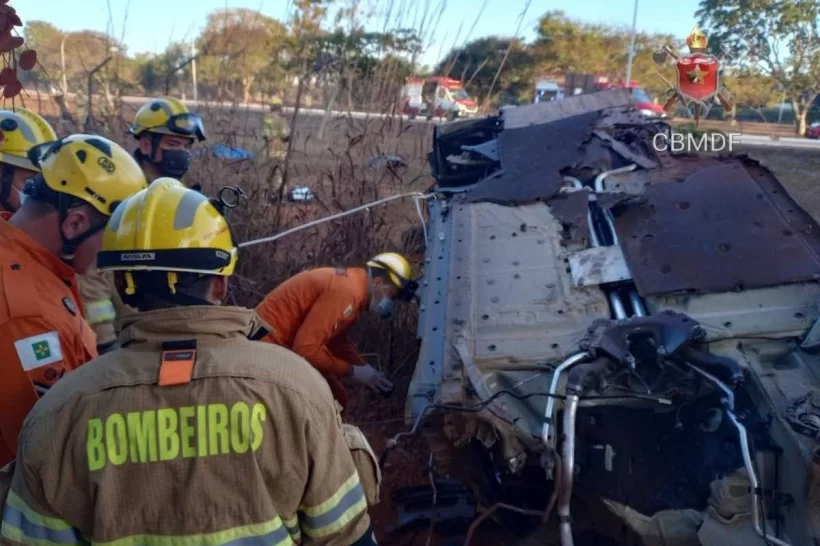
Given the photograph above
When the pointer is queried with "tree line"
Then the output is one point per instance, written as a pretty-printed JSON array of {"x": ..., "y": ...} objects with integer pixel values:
[{"x": 243, "y": 55}]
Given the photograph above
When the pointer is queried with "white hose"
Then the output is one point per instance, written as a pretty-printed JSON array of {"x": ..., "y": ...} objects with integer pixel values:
[
  {"x": 577, "y": 358},
  {"x": 599, "y": 180},
  {"x": 417, "y": 196},
  {"x": 746, "y": 454}
]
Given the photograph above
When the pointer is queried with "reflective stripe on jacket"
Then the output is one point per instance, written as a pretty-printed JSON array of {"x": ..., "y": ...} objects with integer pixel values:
[
  {"x": 43, "y": 334},
  {"x": 250, "y": 450},
  {"x": 275, "y": 131},
  {"x": 101, "y": 304}
]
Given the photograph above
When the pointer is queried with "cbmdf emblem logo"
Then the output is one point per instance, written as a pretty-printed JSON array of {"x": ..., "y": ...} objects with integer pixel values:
[{"x": 697, "y": 76}]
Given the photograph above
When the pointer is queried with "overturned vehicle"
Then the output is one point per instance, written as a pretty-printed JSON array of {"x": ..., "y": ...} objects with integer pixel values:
[{"x": 621, "y": 340}]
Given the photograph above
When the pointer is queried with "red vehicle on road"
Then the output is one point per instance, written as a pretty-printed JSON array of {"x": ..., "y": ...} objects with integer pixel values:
[{"x": 813, "y": 131}]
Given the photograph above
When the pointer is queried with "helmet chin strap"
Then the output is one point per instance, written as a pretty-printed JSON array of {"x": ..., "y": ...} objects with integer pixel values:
[
  {"x": 6, "y": 180},
  {"x": 69, "y": 246}
]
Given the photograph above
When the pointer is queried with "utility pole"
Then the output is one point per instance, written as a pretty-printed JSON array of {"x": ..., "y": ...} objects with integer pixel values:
[
  {"x": 631, "y": 46},
  {"x": 193, "y": 69},
  {"x": 62, "y": 65}
]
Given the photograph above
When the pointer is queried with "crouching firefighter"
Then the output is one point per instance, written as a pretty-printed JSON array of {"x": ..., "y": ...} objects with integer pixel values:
[
  {"x": 166, "y": 132},
  {"x": 311, "y": 313},
  {"x": 241, "y": 438}
]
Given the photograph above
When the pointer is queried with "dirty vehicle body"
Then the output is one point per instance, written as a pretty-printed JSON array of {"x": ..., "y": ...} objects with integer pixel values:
[{"x": 633, "y": 333}]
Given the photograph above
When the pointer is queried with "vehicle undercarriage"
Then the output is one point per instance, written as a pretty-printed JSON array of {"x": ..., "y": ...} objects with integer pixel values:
[{"x": 619, "y": 345}]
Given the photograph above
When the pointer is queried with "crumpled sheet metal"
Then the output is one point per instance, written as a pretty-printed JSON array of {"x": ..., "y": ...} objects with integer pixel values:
[
  {"x": 570, "y": 209},
  {"x": 534, "y": 155},
  {"x": 532, "y": 159},
  {"x": 546, "y": 112},
  {"x": 729, "y": 226},
  {"x": 669, "y": 329}
]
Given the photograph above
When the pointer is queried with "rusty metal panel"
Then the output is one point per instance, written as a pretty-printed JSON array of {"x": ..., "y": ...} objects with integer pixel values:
[
  {"x": 532, "y": 159},
  {"x": 571, "y": 210},
  {"x": 721, "y": 228}
]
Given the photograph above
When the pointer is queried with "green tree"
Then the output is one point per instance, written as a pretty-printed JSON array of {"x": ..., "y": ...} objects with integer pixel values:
[
  {"x": 779, "y": 38},
  {"x": 563, "y": 45},
  {"x": 477, "y": 63},
  {"x": 751, "y": 89},
  {"x": 156, "y": 72},
  {"x": 237, "y": 45},
  {"x": 46, "y": 39}
]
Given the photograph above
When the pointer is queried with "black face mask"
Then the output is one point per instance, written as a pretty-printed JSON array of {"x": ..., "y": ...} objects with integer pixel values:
[{"x": 175, "y": 163}]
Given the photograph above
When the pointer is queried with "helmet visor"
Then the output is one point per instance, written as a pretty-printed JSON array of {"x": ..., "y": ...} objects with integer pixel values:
[{"x": 187, "y": 125}]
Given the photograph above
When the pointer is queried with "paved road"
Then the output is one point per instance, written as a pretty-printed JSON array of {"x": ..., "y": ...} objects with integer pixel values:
[
  {"x": 316, "y": 114},
  {"x": 782, "y": 142}
]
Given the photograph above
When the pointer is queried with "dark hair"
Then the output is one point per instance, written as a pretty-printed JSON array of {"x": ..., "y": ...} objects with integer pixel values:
[
  {"x": 153, "y": 290},
  {"x": 39, "y": 208},
  {"x": 41, "y": 200}
]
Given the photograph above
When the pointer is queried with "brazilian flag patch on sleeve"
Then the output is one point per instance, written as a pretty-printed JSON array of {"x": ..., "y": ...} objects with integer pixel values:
[{"x": 39, "y": 350}]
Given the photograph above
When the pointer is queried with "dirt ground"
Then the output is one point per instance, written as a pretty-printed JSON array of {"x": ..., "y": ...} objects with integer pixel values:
[{"x": 797, "y": 169}]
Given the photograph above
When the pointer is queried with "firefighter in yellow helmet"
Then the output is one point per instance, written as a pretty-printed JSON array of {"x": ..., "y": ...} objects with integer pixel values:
[
  {"x": 242, "y": 438},
  {"x": 20, "y": 130},
  {"x": 166, "y": 130},
  {"x": 276, "y": 134},
  {"x": 55, "y": 233},
  {"x": 311, "y": 313}
]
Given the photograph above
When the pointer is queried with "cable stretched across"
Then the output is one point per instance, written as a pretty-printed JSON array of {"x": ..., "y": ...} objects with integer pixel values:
[{"x": 417, "y": 197}]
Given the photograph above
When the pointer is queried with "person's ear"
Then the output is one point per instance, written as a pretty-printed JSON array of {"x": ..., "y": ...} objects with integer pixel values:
[
  {"x": 145, "y": 148},
  {"x": 77, "y": 222},
  {"x": 219, "y": 289}
]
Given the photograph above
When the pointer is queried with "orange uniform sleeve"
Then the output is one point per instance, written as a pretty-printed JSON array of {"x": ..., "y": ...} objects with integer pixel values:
[
  {"x": 329, "y": 317},
  {"x": 343, "y": 348},
  {"x": 35, "y": 356}
]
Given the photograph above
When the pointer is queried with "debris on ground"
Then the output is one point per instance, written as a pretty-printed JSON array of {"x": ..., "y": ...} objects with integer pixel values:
[{"x": 389, "y": 161}]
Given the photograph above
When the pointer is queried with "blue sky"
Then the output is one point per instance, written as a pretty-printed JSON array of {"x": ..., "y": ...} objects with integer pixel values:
[{"x": 151, "y": 24}]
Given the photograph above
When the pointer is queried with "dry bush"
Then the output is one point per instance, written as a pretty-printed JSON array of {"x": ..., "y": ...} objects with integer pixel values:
[{"x": 335, "y": 171}]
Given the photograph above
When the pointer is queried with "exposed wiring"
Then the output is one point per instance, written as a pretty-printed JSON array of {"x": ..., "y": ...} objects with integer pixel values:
[
  {"x": 481, "y": 406},
  {"x": 432, "y": 477},
  {"x": 417, "y": 197},
  {"x": 557, "y": 483},
  {"x": 489, "y": 512}
]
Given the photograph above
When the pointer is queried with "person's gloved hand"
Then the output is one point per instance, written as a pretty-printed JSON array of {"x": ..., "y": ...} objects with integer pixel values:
[{"x": 371, "y": 377}]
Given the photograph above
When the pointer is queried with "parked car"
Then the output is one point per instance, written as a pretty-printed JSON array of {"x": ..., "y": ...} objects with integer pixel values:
[{"x": 813, "y": 131}]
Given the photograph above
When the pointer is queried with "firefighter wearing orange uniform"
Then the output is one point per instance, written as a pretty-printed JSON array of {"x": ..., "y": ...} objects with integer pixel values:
[
  {"x": 56, "y": 233},
  {"x": 190, "y": 433},
  {"x": 20, "y": 130},
  {"x": 311, "y": 313}
]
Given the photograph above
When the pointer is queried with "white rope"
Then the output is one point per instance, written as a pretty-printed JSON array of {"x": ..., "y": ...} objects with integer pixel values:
[{"x": 417, "y": 197}]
